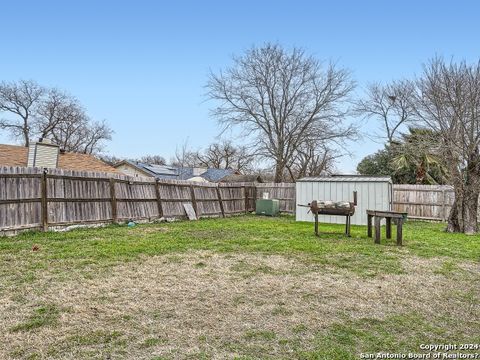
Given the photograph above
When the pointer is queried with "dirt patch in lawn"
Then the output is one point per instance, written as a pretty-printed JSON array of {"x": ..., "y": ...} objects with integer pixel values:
[{"x": 219, "y": 305}]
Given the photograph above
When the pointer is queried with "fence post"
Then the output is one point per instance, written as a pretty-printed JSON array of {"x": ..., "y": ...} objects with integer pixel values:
[
  {"x": 444, "y": 215},
  {"x": 44, "y": 200},
  {"x": 254, "y": 197},
  {"x": 194, "y": 201},
  {"x": 251, "y": 197},
  {"x": 113, "y": 200},
  {"x": 294, "y": 206},
  {"x": 159, "y": 199},
  {"x": 220, "y": 201},
  {"x": 246, "y": 198}
]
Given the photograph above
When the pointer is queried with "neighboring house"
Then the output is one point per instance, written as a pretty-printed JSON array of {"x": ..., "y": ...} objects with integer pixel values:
[
  {"x": 131, "y": 168},
  {"x": 209, "y": 174},
  {"x": 44, "y": 154},
  {"x": 172, "y": 172}
]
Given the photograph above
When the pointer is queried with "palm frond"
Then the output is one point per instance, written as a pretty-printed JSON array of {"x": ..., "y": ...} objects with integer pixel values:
[{"x": 400, "y": 162}]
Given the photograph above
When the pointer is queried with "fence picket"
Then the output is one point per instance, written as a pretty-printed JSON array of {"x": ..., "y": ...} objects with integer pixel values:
[{"x": 30, "y": 198}]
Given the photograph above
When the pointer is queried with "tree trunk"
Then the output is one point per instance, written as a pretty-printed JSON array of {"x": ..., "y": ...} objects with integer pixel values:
[
  {"x": 470, "y": 213},
  {"x": 26, "y": 138},
  {"x": 26, "y": 131},
  {"x": 279, "y": 171},
  {"x": 463, "y": 216},
  {"x": 453, "y": 224},
  {"x": 420, "y": 174}
]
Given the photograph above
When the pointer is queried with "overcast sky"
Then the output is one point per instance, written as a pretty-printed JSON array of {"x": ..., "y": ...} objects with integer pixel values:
[{"x": 142, "y": 65}]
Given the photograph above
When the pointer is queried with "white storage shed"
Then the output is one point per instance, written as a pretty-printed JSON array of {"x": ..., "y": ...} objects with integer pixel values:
[{"x": 374, "y": 193}]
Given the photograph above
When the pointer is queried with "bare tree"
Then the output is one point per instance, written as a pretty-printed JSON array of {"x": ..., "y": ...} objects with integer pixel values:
[
  {"x": 312, "y": 160},
  {"x": 184, "y": 157},
  {"x": 36, "y": 111},
  {"x": 243, "y": 160},
  {"x": 390, "y": 104},
  {"x": 225, "y": 155},
  {"x": 61, "y": 117},
  {"x": 55, "y": 109},
  {"x": 96, "y": 133},
  {"x": 82, "y": 134},
  {"x": 153, "y": 159},
  {"x": 109, "y": 159},
  {"x": 448, "y": 102},
  {"x": 282, "y": 98},
  {"x": 20, "y": 101},
  {"x": 217, "y": 155}
]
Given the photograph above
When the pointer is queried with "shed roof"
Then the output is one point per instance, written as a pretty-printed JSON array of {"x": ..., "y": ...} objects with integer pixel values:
[{"x": 346, "y": 178}]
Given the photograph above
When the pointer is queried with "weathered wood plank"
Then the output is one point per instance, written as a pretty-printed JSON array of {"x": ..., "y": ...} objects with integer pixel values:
[
  {"x": 76, "y": 197},
  {"x": 44, "y": 202},
  {"x": 159, "y": 201},
  {"x": 113, "y": 199}
]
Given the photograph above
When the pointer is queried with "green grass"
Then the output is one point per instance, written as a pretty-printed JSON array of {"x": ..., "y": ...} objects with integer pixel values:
[
  {"x": 93, "y": 253},
  {"x": 152, "y": 342},
  {"x": 260, "y": 335},
  {"x": 105, "y": 247},
  {"x": 397, "y": 333},
  {"x": 94, "y": 338},
  {"x": 46, "y": 315}
]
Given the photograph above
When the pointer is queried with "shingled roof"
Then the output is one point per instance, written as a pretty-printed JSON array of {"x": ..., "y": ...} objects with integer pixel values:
[
  {"x": 210, "y": 174},
  {"x": 13, "y": 155},
  {"x": 179, "y": 173}
]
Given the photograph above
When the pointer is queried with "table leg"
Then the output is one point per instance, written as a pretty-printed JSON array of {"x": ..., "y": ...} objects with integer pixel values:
[
  {"x": 399, "y": 232},
  {"x": 316, "y": 224},
  {"x": 369, "y": 225},
  {"x": 388, "y": 229},
  {"x": 377, "y": 229}
]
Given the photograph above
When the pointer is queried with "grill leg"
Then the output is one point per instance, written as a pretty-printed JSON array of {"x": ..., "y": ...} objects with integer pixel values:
[
  {"x": 347, "y": 225},
  {"x": 316, "y": 224}
]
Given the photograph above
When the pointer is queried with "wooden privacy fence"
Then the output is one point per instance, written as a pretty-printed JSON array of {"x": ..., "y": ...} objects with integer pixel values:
[
  {"x": 31, "y": 198},
  {"x": 424, "y": 202},
  {"x": 284, "y": 192}
]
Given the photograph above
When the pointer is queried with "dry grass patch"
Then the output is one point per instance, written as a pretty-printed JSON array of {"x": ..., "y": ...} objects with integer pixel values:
[
  {"x": 205, "y": 304},
  {"x": 146, "y": 230}
]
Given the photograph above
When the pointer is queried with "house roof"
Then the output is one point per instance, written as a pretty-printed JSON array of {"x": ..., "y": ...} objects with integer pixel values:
[
  {"x": 346, "y": 178},
  {"x": 179, "y": 173},
  {"x": 14, "y": 155},
  {"x": 211, "y": 174}
]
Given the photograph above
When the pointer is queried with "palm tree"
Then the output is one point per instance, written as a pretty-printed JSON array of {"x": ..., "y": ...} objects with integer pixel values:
[{"x": 417, "y": 151}]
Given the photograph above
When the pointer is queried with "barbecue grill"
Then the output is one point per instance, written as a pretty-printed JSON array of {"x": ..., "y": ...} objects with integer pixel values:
[{"x": 339, "y": 208}]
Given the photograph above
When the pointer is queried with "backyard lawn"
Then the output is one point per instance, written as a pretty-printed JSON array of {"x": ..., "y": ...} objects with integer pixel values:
[{"x": 244, "y": 287}]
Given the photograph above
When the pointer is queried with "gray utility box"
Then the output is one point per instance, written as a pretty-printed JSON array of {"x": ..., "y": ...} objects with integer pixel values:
[{"x": 270, "y": 207}]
